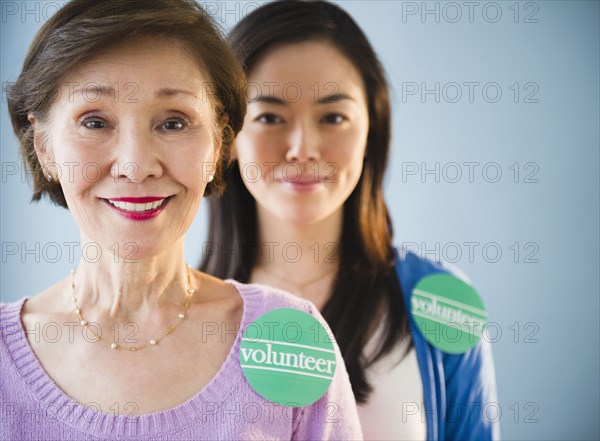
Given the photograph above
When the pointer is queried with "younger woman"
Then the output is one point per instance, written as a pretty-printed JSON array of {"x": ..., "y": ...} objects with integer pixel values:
[{"x": 304, "y": 210}]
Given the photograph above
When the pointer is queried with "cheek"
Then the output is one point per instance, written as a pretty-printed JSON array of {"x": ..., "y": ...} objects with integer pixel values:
[
  {"x": 79, "y": 172},
  {"x": 347, "y": 153},
  {"x": 79, "y": 163},
  {"x": 259, "y": 156},
  {"x": 257, "y": 148},
  {"x": 253, "y": 164},
  {"x": 253, "y": 173},
  {"x": 192, "y": 168}
]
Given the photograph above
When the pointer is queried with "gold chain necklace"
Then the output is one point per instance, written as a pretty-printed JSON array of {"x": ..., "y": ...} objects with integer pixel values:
[
  {"x": 153, "y": 342},
  {"x": 299, "y": 287}
]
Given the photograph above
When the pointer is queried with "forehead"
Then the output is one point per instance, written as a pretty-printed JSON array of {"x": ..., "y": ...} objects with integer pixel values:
[
  {"x": 310, "y": 64},
  {"x": 143, "y": 65}
]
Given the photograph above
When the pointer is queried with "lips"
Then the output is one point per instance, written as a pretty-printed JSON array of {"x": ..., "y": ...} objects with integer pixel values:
[
  {"x": 138, "y": 208},
  {"x": 305, "y": 180},
  {"x": 301, "y": 185},
  {"x": 137, "y": 204}
]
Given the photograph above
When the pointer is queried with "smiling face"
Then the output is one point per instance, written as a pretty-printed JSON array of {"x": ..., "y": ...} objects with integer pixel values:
[
  {"x": 302, "y": 146},
  {"x": 134, "y": 141}
]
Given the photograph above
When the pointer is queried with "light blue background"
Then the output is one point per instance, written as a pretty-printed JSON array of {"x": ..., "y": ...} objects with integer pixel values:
[{"x": 547, "y": 357}]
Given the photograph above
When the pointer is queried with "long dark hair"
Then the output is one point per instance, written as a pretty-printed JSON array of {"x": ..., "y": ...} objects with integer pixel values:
[{"x": 366, "y": 291}]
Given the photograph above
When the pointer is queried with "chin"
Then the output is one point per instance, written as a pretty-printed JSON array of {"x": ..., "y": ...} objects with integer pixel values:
[
  {"x": 130, "y": 250},
  {"x": 303, "y": 215}
]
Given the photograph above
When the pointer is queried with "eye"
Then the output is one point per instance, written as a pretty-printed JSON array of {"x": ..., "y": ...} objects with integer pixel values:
[
  {"x": 93, "y": 123},
  {"x": 269, "y": 118},
  {"x": 333, "y": 118},
  {"x": 174, "y": 125}
]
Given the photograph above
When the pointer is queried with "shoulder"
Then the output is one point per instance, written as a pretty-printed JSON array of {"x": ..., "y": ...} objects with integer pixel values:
[
  {"x": 271, "y": 298},
  {"x": 260, "y": 299},
  {"x": 10, "y": 313},
  {"x": 50, "y": 303},
  {"x": 411, "y": 267},
  {"x": 9, "y": 306},
  {"x": 422, "y": 265},
  {"x": 11, "y": 329},
  {"x": 464, "y": 373}
]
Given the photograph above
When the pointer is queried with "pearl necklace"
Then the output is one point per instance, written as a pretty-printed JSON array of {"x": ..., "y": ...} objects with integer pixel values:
[{"x": 153, "y": 342}]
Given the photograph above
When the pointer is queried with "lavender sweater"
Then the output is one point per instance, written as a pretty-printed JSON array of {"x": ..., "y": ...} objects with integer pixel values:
[{"x": 33, "y": 407}]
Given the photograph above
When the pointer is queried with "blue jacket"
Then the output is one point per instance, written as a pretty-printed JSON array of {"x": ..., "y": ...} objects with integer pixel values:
[{"x": 459, "y": 390}]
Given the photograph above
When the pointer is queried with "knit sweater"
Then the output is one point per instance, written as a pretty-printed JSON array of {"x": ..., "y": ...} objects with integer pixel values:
[{"x": 33, "y": 407}]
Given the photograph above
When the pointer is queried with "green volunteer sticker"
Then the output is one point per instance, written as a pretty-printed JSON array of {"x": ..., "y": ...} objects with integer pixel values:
[
  {"x": 448, "y": 312},
  {"x": 288, "y": 357}
]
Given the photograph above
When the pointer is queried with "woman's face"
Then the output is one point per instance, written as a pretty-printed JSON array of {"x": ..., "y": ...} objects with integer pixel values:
[
  {"x": 302, "y": 147},
  {"x": 134, "y": 140}
]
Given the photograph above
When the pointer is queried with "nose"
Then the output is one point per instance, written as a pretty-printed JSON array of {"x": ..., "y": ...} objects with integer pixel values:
[
  {"x": 137, "y": 156},
  {"x": 304, "y": 143}
]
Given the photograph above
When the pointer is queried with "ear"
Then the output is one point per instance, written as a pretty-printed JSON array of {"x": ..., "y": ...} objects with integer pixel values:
[{"x": 44, "y": 154}]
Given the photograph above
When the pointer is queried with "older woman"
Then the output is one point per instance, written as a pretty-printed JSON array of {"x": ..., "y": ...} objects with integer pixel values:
[{"x": 135, "y": 104}]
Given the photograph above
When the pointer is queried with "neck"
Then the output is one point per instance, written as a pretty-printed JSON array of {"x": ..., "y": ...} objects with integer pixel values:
[
  {"x": 123, "y": 288},
  {"x": 299, "y": 252}
]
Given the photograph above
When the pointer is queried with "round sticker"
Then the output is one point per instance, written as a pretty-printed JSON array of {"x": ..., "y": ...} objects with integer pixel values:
[
  {"x": 448, "y": 312},
  {"x": 288, "y": 357}
]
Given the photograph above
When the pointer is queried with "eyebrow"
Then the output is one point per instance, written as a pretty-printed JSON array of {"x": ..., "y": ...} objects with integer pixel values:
[
  {"x": 269, "y": 99},
  {"x": 336, "y": 97}
]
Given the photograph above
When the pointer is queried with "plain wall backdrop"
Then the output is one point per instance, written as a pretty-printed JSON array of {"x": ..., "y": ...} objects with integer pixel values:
[{"x": 495, "y": 168}]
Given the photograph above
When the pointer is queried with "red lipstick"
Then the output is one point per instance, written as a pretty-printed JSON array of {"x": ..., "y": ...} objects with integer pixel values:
[
  {"x": 141, "y": 200},
  {"x": 137, "y": 213}
]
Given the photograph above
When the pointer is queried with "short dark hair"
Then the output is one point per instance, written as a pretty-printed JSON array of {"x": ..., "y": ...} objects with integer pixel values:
[
  {"x": 82, "y": 27},
  {"x": 366, "y": 286}
]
